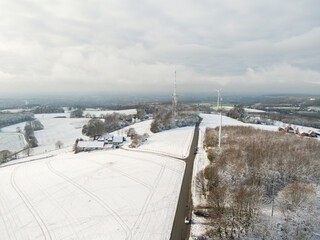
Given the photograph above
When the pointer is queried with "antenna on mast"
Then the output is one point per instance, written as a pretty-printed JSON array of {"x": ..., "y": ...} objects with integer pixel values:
[{"x": 174, "y": 96}]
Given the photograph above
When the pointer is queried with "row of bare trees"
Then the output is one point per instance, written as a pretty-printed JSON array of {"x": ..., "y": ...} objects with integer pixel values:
[
  {"x": 136, "y": 138},
  {"x": 163, "y": 119},
  {"x": 110, "y": 123}
]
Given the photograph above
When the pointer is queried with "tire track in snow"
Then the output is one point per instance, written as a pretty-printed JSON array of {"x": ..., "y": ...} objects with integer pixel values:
[
  {"x": 105, "y": 206},
  {"x": 121, "y": 172},
  {"x": 4, "y": 221},
  {"x": 148, "y": 161},
  {"x": 43, "y": 227},
  {"x": 58, "y": 206},
  {"x": 147, "y": 202},
  {"x": 155, "y": 210},
  {"x": 12, "y": 216}
]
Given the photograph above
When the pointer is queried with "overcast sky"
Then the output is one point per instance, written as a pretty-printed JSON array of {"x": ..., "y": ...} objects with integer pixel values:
[{"x": 247, "y": 46}]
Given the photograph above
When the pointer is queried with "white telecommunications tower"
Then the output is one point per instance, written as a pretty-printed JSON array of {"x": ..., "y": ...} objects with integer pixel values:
[{"x": 174, "y": 97}]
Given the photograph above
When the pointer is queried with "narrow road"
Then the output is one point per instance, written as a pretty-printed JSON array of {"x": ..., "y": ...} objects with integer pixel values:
[{"x": 180, "y": 230}]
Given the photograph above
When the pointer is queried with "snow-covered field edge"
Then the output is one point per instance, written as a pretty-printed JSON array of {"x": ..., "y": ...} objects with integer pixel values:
[{"x": 166, "y": 150}]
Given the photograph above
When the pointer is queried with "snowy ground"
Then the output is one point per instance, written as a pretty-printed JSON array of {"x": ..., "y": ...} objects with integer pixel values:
[
  {"x": 57, "y": 127},
  {"x": 12, "y": 141},
  {"x": 16, "y": 110},
  {"x": 66, "y": 130},
  {"x": 113, "y": 194},
  {"x": 140, "y": 127},
  {"x": 174, "y": 142},
  {"x": 97, "y": 113},
  {"x": 249, "y": 110}
]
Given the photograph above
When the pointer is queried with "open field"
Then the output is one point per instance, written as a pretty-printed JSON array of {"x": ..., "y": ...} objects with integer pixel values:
[
  {"x": 97, "y": 113},
  {"x": 12, "y": 141},
  {"x": 113, "y": 194},
  {"x": 66, "y": 130},
  {"x": 16, "y": 110},
  {"x": 99, "y": 195},
  {"x": 174, "y": 142},
  {"x": 140, "y": 127},
  {"x": 57, "y": 127}
]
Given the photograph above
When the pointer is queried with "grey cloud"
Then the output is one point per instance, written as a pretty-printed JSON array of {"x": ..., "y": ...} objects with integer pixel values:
[{"x": 111, "y": 45}]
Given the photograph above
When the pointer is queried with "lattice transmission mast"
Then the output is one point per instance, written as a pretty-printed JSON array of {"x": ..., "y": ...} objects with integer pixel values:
[{"x": 174, "y": 97}]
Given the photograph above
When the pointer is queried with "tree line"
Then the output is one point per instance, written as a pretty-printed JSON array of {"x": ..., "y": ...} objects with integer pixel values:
[
  {"x": 109, "y": 123},
  {"x": 163, "y": 119},
  {"x": 48, "y": 109},
  {"x": 7, "y": 118}
]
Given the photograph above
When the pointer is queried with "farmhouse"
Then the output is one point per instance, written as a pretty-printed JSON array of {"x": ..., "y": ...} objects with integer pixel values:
[{"x": 101, "y": 142}]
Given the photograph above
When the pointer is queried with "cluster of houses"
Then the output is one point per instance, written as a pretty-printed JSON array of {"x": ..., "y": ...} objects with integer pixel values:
[
  {"x": 300, "y": 132},
  {"x": 100, "y": 142}
]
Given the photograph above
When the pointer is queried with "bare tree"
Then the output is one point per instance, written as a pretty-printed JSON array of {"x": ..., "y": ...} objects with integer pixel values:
[
  {"x": 28, "y": 149},
  {"x": 138, "y": 140},
  {"x": 59, "y": 144},
  {"x": 18, "y": 130},
  {"x": 75, "y": 148},
  {"x": 201, "y": 183},
  {"x": 4, "y": 156},
  {"x": 131, "y": 133}
]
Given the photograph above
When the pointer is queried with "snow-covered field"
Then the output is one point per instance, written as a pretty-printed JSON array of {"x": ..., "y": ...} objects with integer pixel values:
[
  {"x": 174, "y": 142},
  {"x": 249, "y": 110},
  {"x": 16, "y": 110},
  {"x": 97, "y": 113},
  {"x": 12, "y": 141},
  {"x": 66, "y": 130},
  {"x": 141, "y": 127},
  {"x": 113, "y": 194},
  {"x": 52, "y": 115},
  {"x": 213, "y": 120},
  {"x": 57, "y": 127}
]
